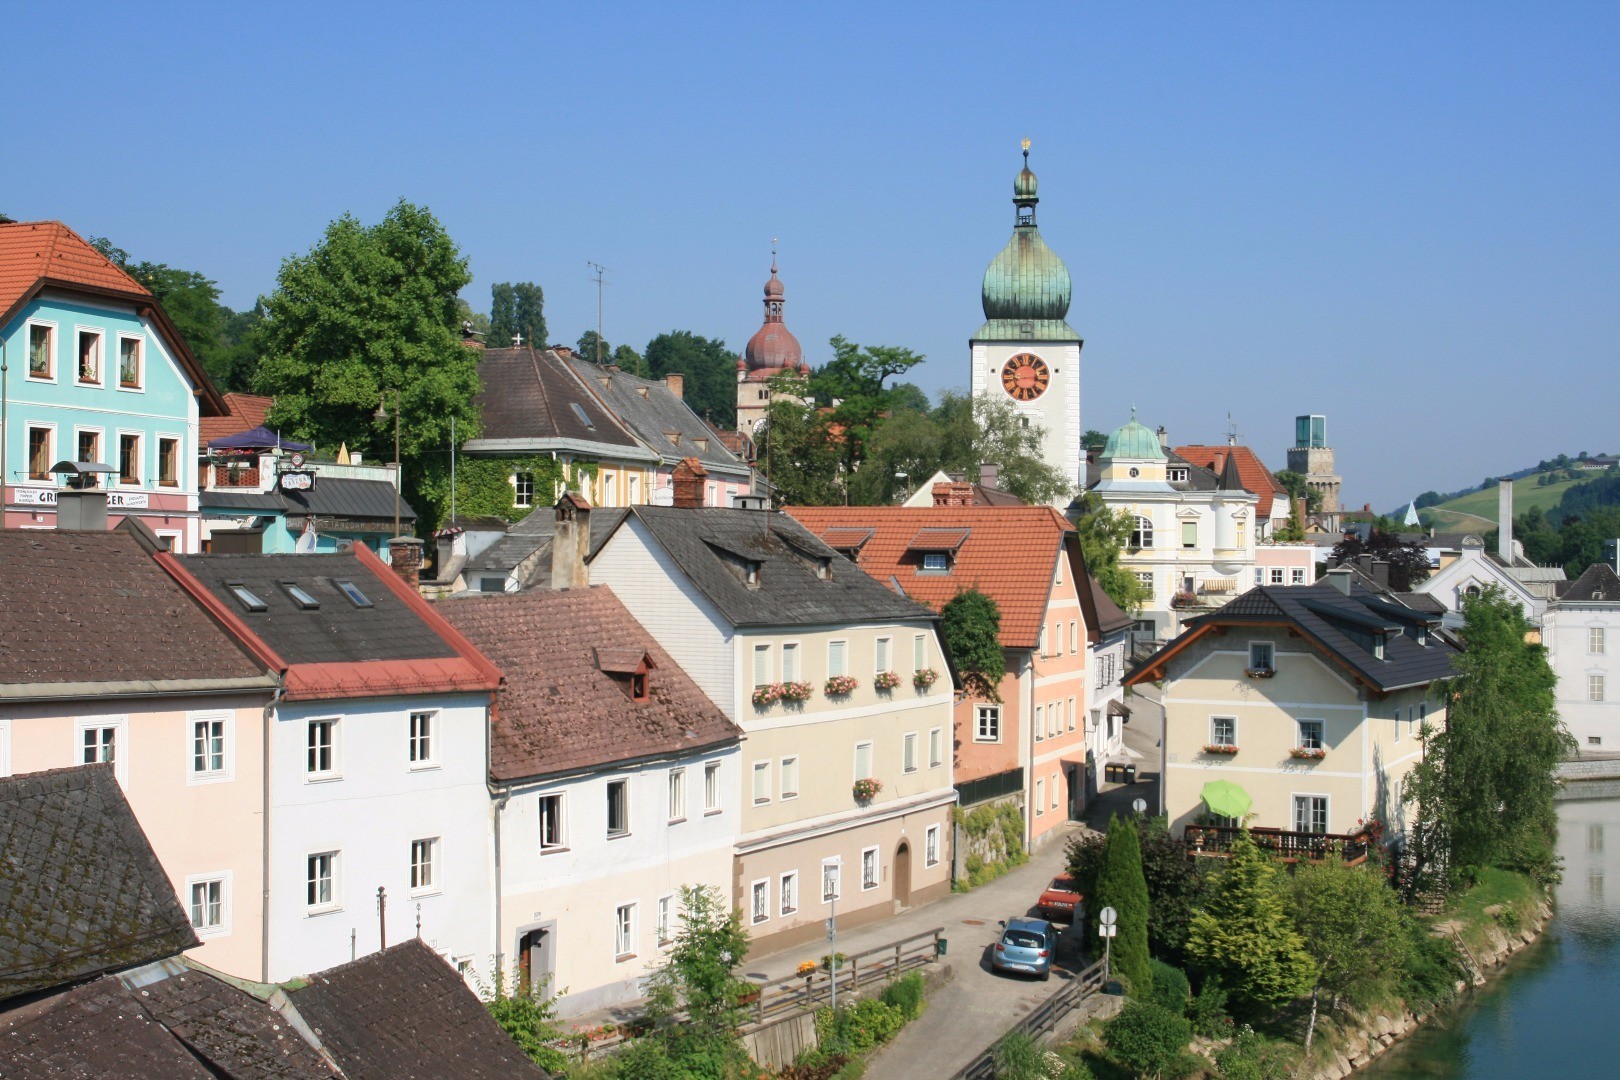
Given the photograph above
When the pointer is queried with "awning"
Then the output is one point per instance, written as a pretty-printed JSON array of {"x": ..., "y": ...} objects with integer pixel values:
[
  {"x": 1226, "y": 799},
  {"x": 259, "y": 438}
]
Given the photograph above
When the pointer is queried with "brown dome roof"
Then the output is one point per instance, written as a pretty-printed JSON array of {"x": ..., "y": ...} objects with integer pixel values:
[{"x": 773, "y": 348}]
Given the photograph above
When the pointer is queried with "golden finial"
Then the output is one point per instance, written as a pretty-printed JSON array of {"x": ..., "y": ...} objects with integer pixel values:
[{"x": 1025, "y": 145}]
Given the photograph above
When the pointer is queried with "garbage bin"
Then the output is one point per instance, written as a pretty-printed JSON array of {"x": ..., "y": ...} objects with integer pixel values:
[
  {"x": 1129, "y": 774},
  {"x": 940, "y": 946}
]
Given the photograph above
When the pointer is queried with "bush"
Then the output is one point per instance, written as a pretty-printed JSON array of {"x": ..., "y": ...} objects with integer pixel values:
[
  {"x": 857, "y": 1029},
  {"x": 905, "y": 994},
  {"x": 1431, "y": 972},
  {"x": 1170, "y": 987},
  {"x": 1207, "y": 1011},
  {"x": 1147, "y": 1038},
  {"x": 1019, "y": 1057},
  {"x": 1251, "y": 1056}
]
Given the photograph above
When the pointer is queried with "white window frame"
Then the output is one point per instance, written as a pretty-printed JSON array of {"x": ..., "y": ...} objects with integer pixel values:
[
  {"x": 1074, "y": 636},
  {"x": 520, "y": 497},
  {"x": 624, "y": 932},
  {"x": 790, "y": 662},
  {"x": 227, "y": 752},
  {"x": 1596, "y": 688},
  {"x": 1214, "y": 738},
  {"x": 762, "y": 665},
  {"x": 1269, "y": 649},
  {"x": 665, "y": 929},
  {"x": 871, "y": 761},
  {"x": 1596, "y": 641},
  {"x": 334, "y": 769},
  {"x": 787, "y": 893},
  {"x": 870, "y": 861},
  {"x": 1274, "y": 575},
  {"x": 882, "y": 649},
  {"x": 28, "y": 352},
  {"x": 712, "y": 799},
  {"x": 836, "y": 865},
  {"x": 1071, "y": 712},
  {"x": 139, "y": 385},
  {"x": 1054, "y": 789},
  {"x": 119, "y": 726},
  {"x": 908, "y": 752},
  {"x": 1039, "y": 723},
  {"x": 139, "y": 456},
  {"x": 936, "y": 747},
  {"x": 101, "y": 356},
  {"x": 761, "y": 790},
  {"x": 919, "y": 652},
  {"x": 1144, "y": 578},
  {"x": 931, "y": 846},
  {"x": 759, "y": 901},
  {"x": 983, "y": 714},
  {"x": 415, "y": 740},
  {"x": 427, "y": 870},
  {"x": 559, "y": 818},
  {"x": 221, "y": 878},
  {"x": 790, "y": 777},
  {"x": 1040, "y": 796},
  {"x": 623, "y": 786},
  {"x": 1296, "y": 575},
  {"x": 334, "y": 881},
  {"x": 935, "y": 562},
  {"x": 1327, "y": 810},
  {"x": 1141, "y": 537},
  {"x": 677, "y": 796},
  {"x": 1304, "y": 740}
]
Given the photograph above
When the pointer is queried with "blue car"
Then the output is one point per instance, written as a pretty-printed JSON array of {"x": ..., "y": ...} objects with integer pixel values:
[{"x": 1026, "y": 945}]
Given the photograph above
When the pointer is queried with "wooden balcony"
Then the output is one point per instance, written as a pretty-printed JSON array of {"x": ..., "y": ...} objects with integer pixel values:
[{"x": 1217, "y": 840}]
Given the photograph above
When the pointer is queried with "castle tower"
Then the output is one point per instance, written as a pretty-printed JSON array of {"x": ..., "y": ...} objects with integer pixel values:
[
  {"x": 772, "y": 351},
  {"x": 1312, "y": 458},
  {"x": 1026, "y": 352}
]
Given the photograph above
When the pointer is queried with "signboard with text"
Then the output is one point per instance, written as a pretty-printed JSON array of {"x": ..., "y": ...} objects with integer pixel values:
[{"x": 116, "y": 500}]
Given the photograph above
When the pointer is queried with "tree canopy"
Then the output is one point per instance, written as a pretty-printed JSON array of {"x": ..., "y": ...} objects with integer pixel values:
[
  {"x": 710, "y": 369},
  {"x": 1121, "y": 886},
  {"x": 1353, "y": 926},
  {"x": 972, "y": 627},
  {"x": 1243, "y": 934},
  {"x": 1103, "y": 535},
  {"x": 1297, "y": 487},
  {"x": 516, "y": 308},
  {"x": 1408, "y": 561}
]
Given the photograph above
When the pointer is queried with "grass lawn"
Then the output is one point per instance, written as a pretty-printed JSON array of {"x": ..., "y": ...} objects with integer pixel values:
[
  {"x": 1477, "y": 511},
  {"x": 1511, "y": 891}
]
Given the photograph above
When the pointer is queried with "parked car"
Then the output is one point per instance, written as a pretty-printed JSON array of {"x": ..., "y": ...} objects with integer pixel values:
[
  {"x": 1062, "y": 900},
  {"x": 1026, "y": 945}
]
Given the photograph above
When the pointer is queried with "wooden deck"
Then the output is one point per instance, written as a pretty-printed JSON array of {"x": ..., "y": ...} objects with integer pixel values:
[{"x": 1290, "y": 846}]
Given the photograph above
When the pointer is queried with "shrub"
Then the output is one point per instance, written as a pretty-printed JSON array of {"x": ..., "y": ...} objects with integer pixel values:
[
  {"x": 1147, "y": 1038},
  {"x": 1170, "y": 987},
  {"x": 1019, "y": 1057},
  {"x": 905, "y": 994},
  {"x": 1431, "y": 971},
  {"x": 1251, "y": 1056},
  {"x": 1207, "y": 1011}
]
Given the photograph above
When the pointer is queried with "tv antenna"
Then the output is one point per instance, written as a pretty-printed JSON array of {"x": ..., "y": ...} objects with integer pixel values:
[{"x": 597, "y": 271}]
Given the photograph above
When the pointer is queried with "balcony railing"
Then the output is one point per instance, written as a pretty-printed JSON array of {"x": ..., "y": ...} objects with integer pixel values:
[{"x": 1350, "y": 848}]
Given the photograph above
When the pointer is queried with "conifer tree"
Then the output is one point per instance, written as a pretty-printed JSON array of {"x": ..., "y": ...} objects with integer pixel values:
[
  {"x": 1244, "y": 936},
  {"x": 1121, "y": 886}
]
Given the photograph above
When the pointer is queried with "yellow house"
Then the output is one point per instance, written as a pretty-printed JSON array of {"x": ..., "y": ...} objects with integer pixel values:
[{"x": 1310, "y": 699}]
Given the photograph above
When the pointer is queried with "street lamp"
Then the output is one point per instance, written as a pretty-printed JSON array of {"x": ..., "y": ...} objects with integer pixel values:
[{"x": 382, "y": 415}]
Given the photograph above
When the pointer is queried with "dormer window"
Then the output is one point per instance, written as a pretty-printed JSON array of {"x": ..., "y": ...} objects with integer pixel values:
[
  {"x": 583, "y": 416},
  {"x": 1378, "y": 646},
  {"x": 630, "y": 668},
  {"x": 1177, "y": 475},
  {"x": 751, "y": 574},
  {"x": 638, "y": 687},
  {"x": 936, "y": 562},
  {"x": 823, "y": 568}
]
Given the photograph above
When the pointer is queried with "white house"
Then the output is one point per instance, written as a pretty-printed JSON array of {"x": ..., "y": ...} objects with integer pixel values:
[{"x": 1582, "y": 635}]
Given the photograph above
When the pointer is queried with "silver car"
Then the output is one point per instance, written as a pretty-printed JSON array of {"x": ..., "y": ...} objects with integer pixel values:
[{"x": 1026, "y": 945}]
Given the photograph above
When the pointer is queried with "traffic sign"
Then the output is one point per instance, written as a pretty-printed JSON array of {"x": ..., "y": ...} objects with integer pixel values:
[{"x": 1108, "y": 916}]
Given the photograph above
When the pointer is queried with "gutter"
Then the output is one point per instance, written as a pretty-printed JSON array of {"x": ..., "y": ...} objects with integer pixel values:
[
  {"x": 632, "y": 452},
  {"x": 136, "y": 688},
  {"x": 264, "y": 827}
]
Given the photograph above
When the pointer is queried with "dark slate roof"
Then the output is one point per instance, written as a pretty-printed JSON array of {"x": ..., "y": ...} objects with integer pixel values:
[
  {"x": 258, "y": 502},
  {"x": 650, "y": 409},
  {"x": 555, "y": 649},
  {"x": 532, "y": 535},
  {"x": 1198, "y": 477},
  {"x": 344, "y": 497},
  {"x": 82, "y": 892},
  {"x": 530, "y": 395},
  {"x": 1417, "y": 601},
  {"x": 237, "y": 1034},
  {"x": 404, "y": 1014},
  {"x": 1333, "y": 622},
  {"x": 96, "y": 608},
  {"x": 711, "y": 545},
  {"x": 1598, "y": 583},
  {"x": 336, "y": 631},
  {"x": 98, "y": 1030}
]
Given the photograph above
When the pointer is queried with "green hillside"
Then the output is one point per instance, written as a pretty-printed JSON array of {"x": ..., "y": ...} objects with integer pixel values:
[{"x": 1477, "y": 511}]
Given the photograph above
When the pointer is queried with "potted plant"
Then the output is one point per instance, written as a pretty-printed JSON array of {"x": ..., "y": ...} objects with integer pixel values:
[
  {"x": 841, "y": 685},
  {"x": 1308, "y": 753},
  {"x": 796, "y": 691},
  {"x": 867, "y": 788},
  {"x": 923, "y": 678},
  {"x": 886, "y": 680},
  {"x": 1260, "y": 672},
  {"x": 806, "y": 968},
  {"x": 1185, "y": 598},
  {"x": 767, "y": 695},
  {"x": 1220, "y": 748}
]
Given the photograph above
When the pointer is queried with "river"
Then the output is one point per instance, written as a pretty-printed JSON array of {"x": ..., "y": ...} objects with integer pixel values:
[{"x": 1551, "y": 1011}]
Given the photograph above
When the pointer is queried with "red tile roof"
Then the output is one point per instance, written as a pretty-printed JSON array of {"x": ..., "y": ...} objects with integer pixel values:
[
  {"x": 1009, "y": 553},
  {"x": 244, "y": 413},
  {"x": 1252, "y": 472}
]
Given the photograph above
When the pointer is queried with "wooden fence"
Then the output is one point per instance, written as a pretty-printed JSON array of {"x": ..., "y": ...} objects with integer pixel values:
[{"x": 1041, "y": 1023}]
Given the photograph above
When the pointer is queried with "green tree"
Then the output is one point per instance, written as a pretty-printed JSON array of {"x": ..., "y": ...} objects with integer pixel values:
[
  {"x": 972, "y": 627},
  {"x": 1484, "y": 788},
  {"x": 699, "y": 981},
  {"x": 1103, "y": 535},
  {"x": 1146, "y": 1038},
  {"x": 851, "y": 386},
  {"x": 629, "y": 360},
  {"x": 1094, "y": 439},
  {"x": 988, "y": 430},
  {"x": 710, "y": 369},
  {"x": 796, "y": 451},
  {"x": 1353, "y": 926},
  {"x": 1175, "y": 884},
  {"x": 1121, "y": 886},
  {"x": 1243, "y": 935},
  {"x": 530, "y": 1020},
  {"x": 585, "y": 347},
  {"x": 1408, "y": 561},
  {"x": 369, "y": 312},
  {"x": 1298, "y": 488},
  {"x": 516, "y": 307},
  {"x": 902, "y": 452}
]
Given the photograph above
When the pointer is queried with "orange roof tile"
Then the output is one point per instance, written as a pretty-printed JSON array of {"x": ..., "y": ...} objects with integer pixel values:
[
  {"x": 1252, "y": 472},
  {"x": 34, "y": 250},
  {"x": 246, "y": 412},
  {"x": 1008, "y": 553}
]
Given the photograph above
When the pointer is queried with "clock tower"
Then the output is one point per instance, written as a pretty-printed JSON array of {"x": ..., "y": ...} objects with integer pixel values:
[{"x": 1026, "y": 353}]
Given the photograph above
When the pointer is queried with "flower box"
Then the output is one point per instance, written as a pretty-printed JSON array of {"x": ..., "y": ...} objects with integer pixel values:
[
  {"x": 865, "y": 789},
  {"x": 1308, "y": 753},
  {"x": 923, "y": 678},
  {"x": 886, "y": 680},
  {"x": 1220, "y": 748},
  {"x": 796, "y": 691},
  {"x": 808, "y": 967},
  {"x": 1260, "y": 672},
  {"x": 840, "y": 685},
  {"x": 767, "y": 695},
  {"x": 1184, "y": 599}
]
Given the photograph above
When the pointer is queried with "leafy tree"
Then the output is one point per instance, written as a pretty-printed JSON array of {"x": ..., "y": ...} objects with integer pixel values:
[
  {"x": 368, "y": 313},
  {"x": 530, "y": 1020},
  {"x": 1243, "y": 936},
  {"x": 1408, "y": 562},
  {"x": 1485, "y": 785},
  {"x": 904, "y": 450},
  {"x": 989, "y": 430},
  {"x": 585, "y": 347},
  {"x": 908, "y": 397},
  {"x": 241, "y": 338},
  {"x": 1094, "y": 439},
  {"x": 972, "y": 627},
  {"x": 796, "y": 451},
  {"x": 1103, "y": 535},
  {"x": 1353, "y": 926},
  {"x": 516, "y": 308},
  {"x": 1428, "y": 499},
  {"x": 629, "y": 360},
  {"x": 710, "y": 369},
  {"x": 1146, "y": 1038},
  {"x": 1297, "y": 487},
  {"x": 480, "y": 321},
  {"x": 851, "y": 386},
  {"x": 1175, "y": 888},
  {"x": 699, "y": 978},
  {"x": 1121, "y": 886}
]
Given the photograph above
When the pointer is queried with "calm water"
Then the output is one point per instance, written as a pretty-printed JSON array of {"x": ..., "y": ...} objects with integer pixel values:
[{"x": 1554, "y": 1011}]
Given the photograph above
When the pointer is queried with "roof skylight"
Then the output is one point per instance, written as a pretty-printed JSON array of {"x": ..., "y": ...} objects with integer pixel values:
[
  {"x": 584, "y": 417},
  {"x": 246, "y": 597},
  {"x": 352, "y": 591},
  {"x": 300, "y": 596}
]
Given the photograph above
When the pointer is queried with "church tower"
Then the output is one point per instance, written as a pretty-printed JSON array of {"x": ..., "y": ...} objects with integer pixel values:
[
  {"x": 1026, "y": 351},
  {"x": 772, "y": 351}
]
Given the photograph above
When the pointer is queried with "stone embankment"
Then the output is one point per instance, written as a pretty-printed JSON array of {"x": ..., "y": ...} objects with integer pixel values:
[{"x": 1365, "y": 1037}]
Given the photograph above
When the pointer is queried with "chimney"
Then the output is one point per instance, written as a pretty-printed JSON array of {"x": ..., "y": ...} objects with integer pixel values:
[
  {"x": 676, "y": 383},
  {"x": 988, "y": 471},
  {"x": 1299, "y": 511},
  {"x": 1164, "y": 438},
  {"x": 563, "y": 351},
  {"x": 405, "y": 556},
  {"x": 687, "y": 480},
  {"x": 571, "y": 542},
  {"x": 953, "y": 493},
  {"x": 1339, "y": 578},
  {"x": 1380, "y": 572},
  {"x": 1504, "y": 520},
  {"x": 1364, "y": 563},
  {"x": 81, "y": 510}
]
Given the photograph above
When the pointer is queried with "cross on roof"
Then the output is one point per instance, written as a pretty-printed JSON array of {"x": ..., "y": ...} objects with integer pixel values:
[{"x": 517, "y": 340}]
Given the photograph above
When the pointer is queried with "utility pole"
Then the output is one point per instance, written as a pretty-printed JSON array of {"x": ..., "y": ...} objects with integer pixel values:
[{"x": 599, "y": 270}]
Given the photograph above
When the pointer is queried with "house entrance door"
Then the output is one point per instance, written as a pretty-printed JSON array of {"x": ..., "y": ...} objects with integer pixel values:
[
  {"x": 902, "y": 876},
  {"x": 537, "y": 959}
]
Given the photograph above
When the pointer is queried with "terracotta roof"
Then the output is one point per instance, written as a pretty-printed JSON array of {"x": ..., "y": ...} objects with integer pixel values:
[
  {"x": 83, "y": 893},
  {"x": 937, "y": 539},
  {"x": 94, "y": 608},
  {"x": 533, "y": 398},
  {"x": 1009, "y": 553},
  {"x": 404, "y": 1014},
  {"x": 244, "y": 412},
  {"x": 559, "y": 700},
  {"x": 1252, "y": 472}
]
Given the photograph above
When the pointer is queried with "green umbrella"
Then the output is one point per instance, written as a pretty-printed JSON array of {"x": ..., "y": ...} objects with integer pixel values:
[{"x": 1226, "y": 799}]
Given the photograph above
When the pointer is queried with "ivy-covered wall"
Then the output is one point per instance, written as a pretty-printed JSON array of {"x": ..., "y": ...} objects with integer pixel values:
[{"x": 484, "y": 487}]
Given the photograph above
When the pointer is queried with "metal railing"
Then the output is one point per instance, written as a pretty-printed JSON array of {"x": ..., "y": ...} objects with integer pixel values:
[
  {"x": 1041, "y": 1023},
  {"x": 972, "y": 792},
  {"x": 1311, "y": 846}
]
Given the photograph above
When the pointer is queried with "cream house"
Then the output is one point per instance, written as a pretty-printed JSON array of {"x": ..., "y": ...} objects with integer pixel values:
[
  {"x": 843, "y": 692},
  {"x": 1309, "y": 698}
]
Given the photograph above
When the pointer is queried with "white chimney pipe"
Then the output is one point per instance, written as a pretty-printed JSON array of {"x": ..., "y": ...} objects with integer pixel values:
[{"x": 1504, "y": 520}]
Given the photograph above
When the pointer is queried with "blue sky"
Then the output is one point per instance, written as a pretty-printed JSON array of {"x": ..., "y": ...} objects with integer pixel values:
[{"x": 1406, "y": 217}]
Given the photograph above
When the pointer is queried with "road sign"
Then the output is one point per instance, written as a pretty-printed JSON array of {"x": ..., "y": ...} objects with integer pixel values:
[
  {"x": 1108, "y": 916},
  {"x": 1140, "y": 806},
  {"x": 1108, "y": 931}
]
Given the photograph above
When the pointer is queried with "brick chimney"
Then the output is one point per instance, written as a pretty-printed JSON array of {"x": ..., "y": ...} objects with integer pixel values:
[
  {"x": 677, "y": 386},
  {"x": 687, "y": 480},
  {"x": 405, "y": 556},
  {"x": 1299, "y": 511},
  {"x": 571, "y": 542},
  {"x": 563, "y": 351},
  {"x": 953, "y": 493}
]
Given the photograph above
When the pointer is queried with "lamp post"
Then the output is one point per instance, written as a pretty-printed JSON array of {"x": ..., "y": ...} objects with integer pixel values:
[{"x": 382, "y": 414}]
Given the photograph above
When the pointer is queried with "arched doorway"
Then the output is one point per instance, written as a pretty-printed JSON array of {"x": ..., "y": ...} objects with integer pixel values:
[{"x": 902, "y": 876}]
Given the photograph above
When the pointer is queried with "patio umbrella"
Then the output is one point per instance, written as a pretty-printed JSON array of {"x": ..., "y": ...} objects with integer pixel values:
[{"x": 1226, "y": 799}]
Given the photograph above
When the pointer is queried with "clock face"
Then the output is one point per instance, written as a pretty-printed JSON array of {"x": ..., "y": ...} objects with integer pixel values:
[{"x": 1025, "y": 377}]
